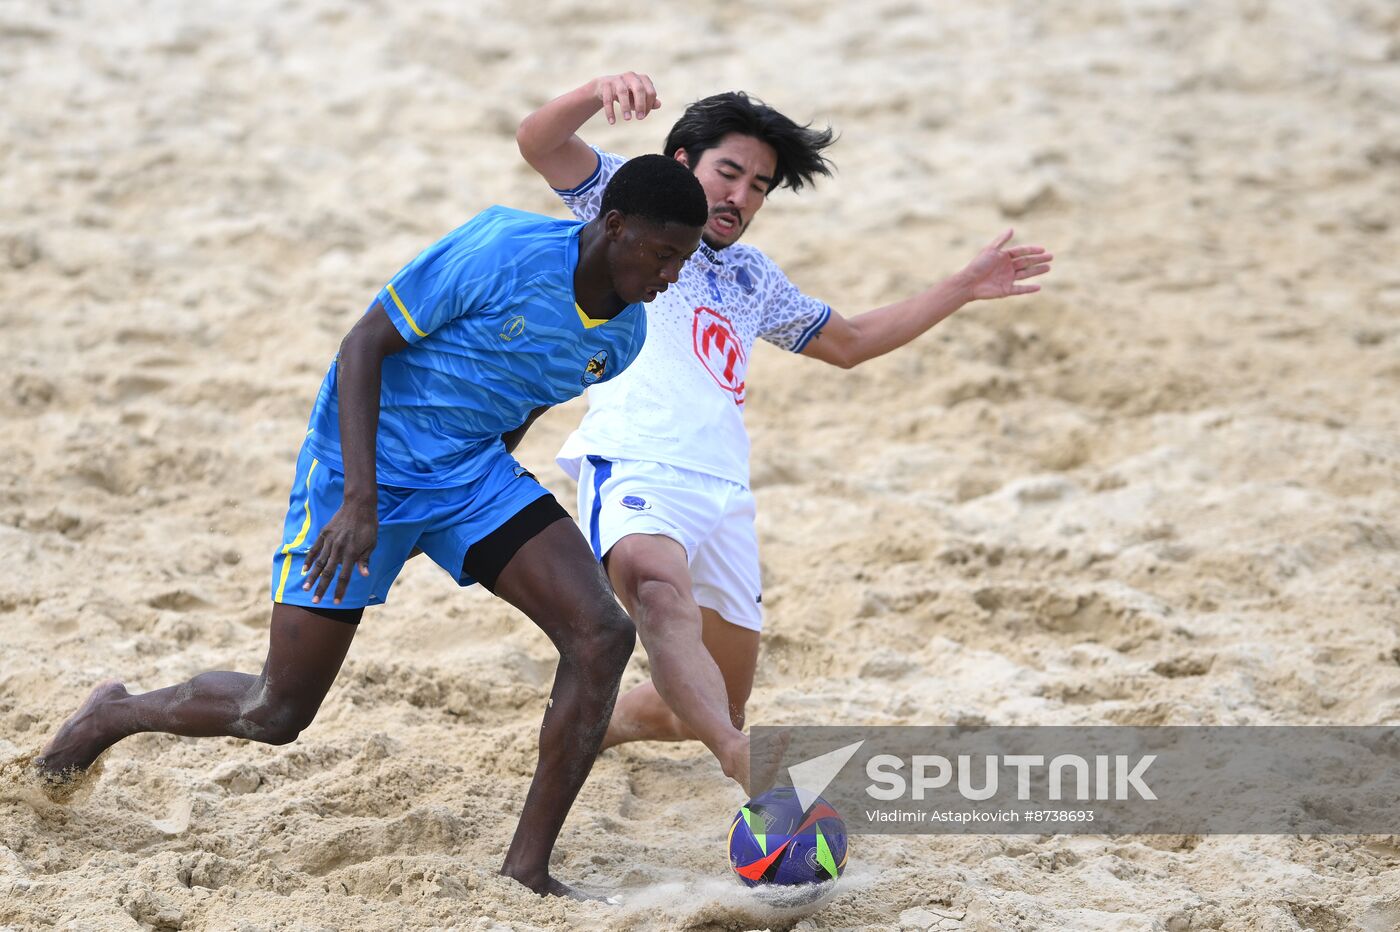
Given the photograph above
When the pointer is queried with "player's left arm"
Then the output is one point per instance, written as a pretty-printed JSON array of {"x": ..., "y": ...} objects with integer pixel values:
[
  {"x": 512, "y": 438},
  {"x": 548, "y": 138},
  {"x": 996, "y": 272}
]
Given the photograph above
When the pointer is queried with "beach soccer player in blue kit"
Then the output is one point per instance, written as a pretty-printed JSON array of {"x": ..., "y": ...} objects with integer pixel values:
[{"x": 409, "y": 448}]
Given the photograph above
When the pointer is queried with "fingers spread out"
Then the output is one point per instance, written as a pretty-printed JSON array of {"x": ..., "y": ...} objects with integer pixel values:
[
  {"x": 320, "y": 565},
  {"x": 323, "y": 581},
  {"x": 342, "y": 581},
  {"x": 1032, "y": 271},
  {"x": 1026, "y": 262},
  {"x": 331, "y": 560},
  {"x": 335, "y": 571},
  {"x": 313, "y": 555}
]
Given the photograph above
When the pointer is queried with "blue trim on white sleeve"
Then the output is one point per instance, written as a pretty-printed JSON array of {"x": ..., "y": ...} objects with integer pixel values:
[
  {"x": 812, "y": 330},
  {"x": 587, "y": 183}
]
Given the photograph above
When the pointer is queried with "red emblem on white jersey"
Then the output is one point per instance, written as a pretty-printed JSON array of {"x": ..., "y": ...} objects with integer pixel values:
[{"x": 720, "y": 349}]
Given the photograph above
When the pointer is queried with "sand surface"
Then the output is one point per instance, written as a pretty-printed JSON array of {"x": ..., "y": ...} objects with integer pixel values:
[{"x": 1163, "y": 491}]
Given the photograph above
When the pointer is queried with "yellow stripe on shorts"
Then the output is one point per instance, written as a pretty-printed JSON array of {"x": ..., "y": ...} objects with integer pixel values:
[
  {"x": 301, "y": 536},
  {"x": 404, "y": 311}
]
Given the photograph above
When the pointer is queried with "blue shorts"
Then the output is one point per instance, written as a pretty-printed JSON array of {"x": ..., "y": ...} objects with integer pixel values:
[{"x": 443, "y": 523}]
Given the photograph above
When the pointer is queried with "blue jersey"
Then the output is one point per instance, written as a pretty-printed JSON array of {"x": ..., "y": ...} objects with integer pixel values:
[{"x": 494, "y": 332}]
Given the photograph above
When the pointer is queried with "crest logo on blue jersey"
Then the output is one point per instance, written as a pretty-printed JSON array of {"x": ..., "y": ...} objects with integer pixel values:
[
  {"x": 635, "y": 502},
  {"x": 513, "y": 328},
  {"x": 596, "y": 368}
]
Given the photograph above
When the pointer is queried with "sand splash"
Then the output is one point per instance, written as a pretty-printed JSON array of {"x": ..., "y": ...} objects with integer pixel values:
[{"x": 21, "y": 779}]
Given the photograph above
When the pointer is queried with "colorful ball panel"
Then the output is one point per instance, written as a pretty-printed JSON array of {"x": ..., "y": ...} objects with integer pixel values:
[{"x": 774, "y": 841}]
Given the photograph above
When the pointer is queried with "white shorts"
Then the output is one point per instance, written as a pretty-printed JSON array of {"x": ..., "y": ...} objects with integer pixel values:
[{"x": 712, "y": 518}]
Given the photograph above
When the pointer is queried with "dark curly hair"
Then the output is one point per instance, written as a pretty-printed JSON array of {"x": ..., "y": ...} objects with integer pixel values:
[
  {"x": 658, "y": 189},
  {"x": 707, "y": 121}
]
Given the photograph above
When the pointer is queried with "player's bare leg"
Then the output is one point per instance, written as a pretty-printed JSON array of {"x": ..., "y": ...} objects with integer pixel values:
[
  {"x": 554, "y": 580},
  {"x": 642, "y": 715},
  {"x": 652, "y": 578},
  {"x": 305, "y": 651}
]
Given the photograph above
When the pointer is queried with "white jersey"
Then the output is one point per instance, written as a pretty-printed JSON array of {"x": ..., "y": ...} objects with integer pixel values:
[{"x": 681, "y": 402}]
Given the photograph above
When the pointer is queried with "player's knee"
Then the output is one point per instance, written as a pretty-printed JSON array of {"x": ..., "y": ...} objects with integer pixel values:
[
  {"x": 661, "y": 607},
  {"x": 618, "y": 636},
  {"x": 286, "y": 728},
  {"x": 278, "y": 735},
  {"x": 270, "y": 719},
  {"x": 284, "y": 725},
  {"x": 607, "y": 638},
  {"x": 736, "y": 715}
]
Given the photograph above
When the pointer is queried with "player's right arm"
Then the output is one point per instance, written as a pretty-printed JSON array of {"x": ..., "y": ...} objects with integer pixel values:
[
  {"x": 349, "y": 536},
  {"x": 548, "y": 138}
]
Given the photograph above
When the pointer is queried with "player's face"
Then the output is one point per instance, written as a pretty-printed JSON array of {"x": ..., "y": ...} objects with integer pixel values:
[
  {"x": 647, "y": 257},
  {"x": 737, "y": 175}
]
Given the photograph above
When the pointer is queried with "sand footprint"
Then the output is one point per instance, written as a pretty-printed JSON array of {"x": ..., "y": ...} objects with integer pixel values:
[
  {"x": 177, "y": 818},
  {"x": 125, "y": 388},
  {"x": 178, "y": 600}
]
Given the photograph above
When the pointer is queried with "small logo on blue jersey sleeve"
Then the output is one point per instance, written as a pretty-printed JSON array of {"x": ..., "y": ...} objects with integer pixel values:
[{"x": 597, "y": 367}]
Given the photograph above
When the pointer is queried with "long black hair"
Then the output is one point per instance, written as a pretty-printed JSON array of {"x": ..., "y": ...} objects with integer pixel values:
[{"x": 707, "y": 121}]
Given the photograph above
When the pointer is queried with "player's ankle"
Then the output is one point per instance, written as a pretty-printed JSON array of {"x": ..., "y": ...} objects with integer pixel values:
[
  {"x": 733, "y": 754},
  {"x": 534, "y": 878}
]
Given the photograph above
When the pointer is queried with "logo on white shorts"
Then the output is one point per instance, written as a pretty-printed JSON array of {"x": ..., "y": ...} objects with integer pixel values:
[{"x": 635, "y": 502}]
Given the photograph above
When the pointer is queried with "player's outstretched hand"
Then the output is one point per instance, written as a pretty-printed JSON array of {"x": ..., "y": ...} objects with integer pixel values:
[
  {"x": 344, "y": 543},
  {"x": 997, "y": 271},
  {"x": 632, "y": 93}
]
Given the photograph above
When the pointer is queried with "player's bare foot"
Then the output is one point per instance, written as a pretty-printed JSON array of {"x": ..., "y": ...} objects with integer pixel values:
[
  {"x": 734, "y": 760},
  {"x": 548, "y": 886},
  {"x": 765, "y": 761},
  {"x": 82, "y": 738}
]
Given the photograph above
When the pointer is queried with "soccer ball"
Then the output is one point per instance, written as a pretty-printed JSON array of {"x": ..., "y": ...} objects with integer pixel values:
[{"x": 775, "y": 842}]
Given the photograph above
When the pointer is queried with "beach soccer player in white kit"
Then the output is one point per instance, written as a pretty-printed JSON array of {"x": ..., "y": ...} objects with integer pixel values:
[{"x": 661, "y": 457}]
